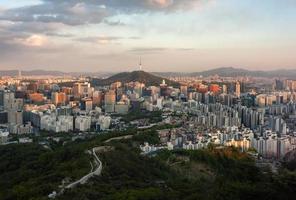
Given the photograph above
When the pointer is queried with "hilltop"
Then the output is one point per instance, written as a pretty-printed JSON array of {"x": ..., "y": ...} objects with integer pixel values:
[{"x": 140, "y": 76}]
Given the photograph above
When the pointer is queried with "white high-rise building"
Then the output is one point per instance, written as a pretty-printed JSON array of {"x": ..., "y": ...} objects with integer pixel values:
[
  {"x": 83, "y": 123},
  {"x": 104, "y": 122},
  {"x": 159, "y": 103},
  {"x": 56, "y": 124}
]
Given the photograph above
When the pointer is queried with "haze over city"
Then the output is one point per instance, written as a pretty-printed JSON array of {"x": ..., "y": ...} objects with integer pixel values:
[{"x": 169, "y": 35}]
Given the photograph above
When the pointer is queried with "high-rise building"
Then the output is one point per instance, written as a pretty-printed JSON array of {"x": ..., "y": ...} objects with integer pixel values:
[
  {"x": 77, "y": 90},
  {"x": 103, "y": 123},
  {"x": 15, "y": 117},
  {"x": 224, "y": 89},
  {"x": 110, "y": 100},
  {"x": 86, "y": 104},
  {"x": 164, "y": 89},
  {"x": 97, "y": 98},
  {"x": 83, "y": 123},
  {"x": 86, "y": 90},
  {"x": 58, "y": 98},
  {"x": 237, "y": 89},
  {"x": 184, "y": 90},
  {"x": 56, "y": 123},
  {"x": 279, "y": 85},
  {"x": 8, "y": 98}
]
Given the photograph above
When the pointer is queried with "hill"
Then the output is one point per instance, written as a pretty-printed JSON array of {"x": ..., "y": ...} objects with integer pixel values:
[{"x": 140, "y": 76}]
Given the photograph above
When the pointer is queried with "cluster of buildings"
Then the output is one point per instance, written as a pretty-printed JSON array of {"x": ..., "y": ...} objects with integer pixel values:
[
  {"x": 31, "y": 106},
  {"x": 269, "y": 145},
  {"x": 241, "y": 112},
  {"x": 265, "y": 122}
]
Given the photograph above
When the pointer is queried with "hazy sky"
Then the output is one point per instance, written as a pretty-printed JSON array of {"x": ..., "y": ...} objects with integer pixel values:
[{"x": 169, "y": 35}]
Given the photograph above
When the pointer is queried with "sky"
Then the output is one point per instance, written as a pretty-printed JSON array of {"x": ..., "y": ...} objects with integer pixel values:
[{"x": 168, "y": 35}]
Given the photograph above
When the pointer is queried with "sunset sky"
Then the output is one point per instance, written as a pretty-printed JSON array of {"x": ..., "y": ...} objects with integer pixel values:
[{"x": 169, "y": 35}]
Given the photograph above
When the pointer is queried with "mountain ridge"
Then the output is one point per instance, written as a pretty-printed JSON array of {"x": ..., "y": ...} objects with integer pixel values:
[{"x": 233, "y": 72}]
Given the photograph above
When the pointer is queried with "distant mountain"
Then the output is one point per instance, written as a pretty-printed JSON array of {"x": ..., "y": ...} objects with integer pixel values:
[
  {"x": 31, "y": 73},
  {"x": 223, "y": 72},
  {"x": 233, "y": 72},
  {"x": 51, "y": 73},
  {"x": 140, "y": 76}
]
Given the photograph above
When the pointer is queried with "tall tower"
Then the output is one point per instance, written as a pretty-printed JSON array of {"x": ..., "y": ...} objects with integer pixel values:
[{"x": 140, "y": 64}]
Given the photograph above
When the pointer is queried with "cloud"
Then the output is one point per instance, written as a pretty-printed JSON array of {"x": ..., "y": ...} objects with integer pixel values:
[
  {"x": 106, "y": 39},
  {"x": 100, "y": 39},
  {"x": 152, "y": 50},
  {"x": 79, "y": 9},
  {"x": 134, "y": 38},
  {"x": 148, "y": 50},
  {"x": 79, "y": 12},
  {"x": 114, "y": 23},
  {"x": 35, "y": 27},
  {"x": 51, "y": 16},
  {"x": 147, "y": 5},
  {"x": 15, "y": 45},
  {"x": 35, "y": 41},
  {"x": 62, "y": 35},
  {"x": 161, "y": 3},
  {"x": 185, "y": 49},
  {"x": 66, "y": 12},
  {"x": 42, "y": 29}
]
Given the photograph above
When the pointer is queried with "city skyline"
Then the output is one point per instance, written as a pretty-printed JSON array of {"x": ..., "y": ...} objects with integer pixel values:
[{"x": 184, "y": 36}]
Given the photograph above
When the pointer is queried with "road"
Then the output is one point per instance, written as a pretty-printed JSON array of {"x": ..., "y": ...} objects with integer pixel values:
[
  {"x": 96, "y": 172},
  {"x": 98, "y": 163},
  {"x": 119, "y": 138}
]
